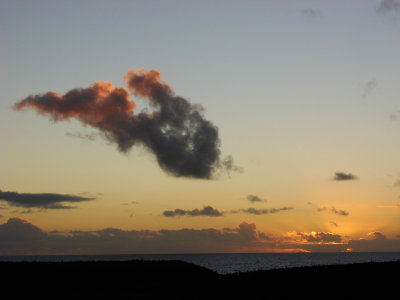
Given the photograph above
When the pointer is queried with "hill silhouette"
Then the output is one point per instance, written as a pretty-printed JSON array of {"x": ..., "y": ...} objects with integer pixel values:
[{"x": 140, "y": 279}]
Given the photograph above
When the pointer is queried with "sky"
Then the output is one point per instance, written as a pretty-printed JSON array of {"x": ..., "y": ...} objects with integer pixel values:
[{"x": 182, "y": 126}]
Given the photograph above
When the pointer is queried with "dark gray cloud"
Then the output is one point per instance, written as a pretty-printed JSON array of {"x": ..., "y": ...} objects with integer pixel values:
[
  {"x": 41, "y": 200},
  {"x": 18, "y": 236},
  {"x": 369, "y": 87},
  {"x": 265, "y": 211},
  {"x": 340, "y": 176},
  {"x": 82, "y": 136},
  {"x": 333, "y": 210},
  {"x": 205, "y": 211},
  {"x": 386, "y": 6},
  {"x": 19, "y": 229},
  {"x": 254, "y": 199},
  {"x": 184, "y": 142}
]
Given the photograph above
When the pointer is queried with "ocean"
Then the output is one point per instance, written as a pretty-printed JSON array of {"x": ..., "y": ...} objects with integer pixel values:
[{"x": 231, "y": 262}]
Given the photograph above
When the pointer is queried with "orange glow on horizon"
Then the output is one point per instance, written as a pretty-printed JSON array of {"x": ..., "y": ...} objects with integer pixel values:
[{"x": 270, "y": 250}]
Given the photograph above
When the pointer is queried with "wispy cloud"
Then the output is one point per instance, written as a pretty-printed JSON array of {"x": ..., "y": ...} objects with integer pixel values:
[
  {"x": 41, "y": 200},
  {"x": 82, "y": 136},
  {"x": 255, "y": 211},
  {"x": 396, "y": 183},
  {"x": 386, "y": 6},
  {"x": 129, "y": 203},
  {"x": 369, "y": 87},
  {"x": 265, "y": 211},
  {"x": 393, "y": 117},
  {"x": 333, "y": 210}
]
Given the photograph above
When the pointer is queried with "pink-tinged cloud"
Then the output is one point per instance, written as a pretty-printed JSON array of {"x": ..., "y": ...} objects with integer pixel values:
[{"x": 183, "y": 141}]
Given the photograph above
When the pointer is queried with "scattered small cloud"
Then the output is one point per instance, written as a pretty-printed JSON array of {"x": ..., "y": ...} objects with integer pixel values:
[
  {"x": 388, "y": 6},
  {"x": 254, "y": 211},
  {"x": 334, "y": 224},
  {"x": 205, "y": 211},
  {"x": 340, "y": 176},
  {"x": 397, "y": 183},
  {"x": 369, "y": 87},
  {"x": 265, "y": 211},
  {"x": 254, "y": 199},
  {"x": 333, "y": 210},
  {"x": 41, "y": 200}
]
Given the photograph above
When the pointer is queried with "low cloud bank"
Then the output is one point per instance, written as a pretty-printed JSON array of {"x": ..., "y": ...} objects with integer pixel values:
[{"x": 18, "y": 236}]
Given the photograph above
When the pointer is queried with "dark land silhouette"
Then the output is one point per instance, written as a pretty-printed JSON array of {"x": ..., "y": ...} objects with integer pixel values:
[{"x": 180, "y": 280}]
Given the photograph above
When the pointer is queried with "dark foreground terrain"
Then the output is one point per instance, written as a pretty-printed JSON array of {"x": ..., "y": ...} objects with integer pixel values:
[{"x": 181, "y": 280}]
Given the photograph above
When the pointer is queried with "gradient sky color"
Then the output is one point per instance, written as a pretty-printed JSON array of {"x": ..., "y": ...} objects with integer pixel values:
[{"x": 299, "y": 91}]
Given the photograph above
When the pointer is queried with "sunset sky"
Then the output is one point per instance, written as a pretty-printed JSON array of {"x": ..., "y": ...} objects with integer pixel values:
[{"x": 293, "y": 105}]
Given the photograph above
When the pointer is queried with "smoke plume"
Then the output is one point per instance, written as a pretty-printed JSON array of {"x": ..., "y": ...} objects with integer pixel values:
[{"x": 184, "y": 143}]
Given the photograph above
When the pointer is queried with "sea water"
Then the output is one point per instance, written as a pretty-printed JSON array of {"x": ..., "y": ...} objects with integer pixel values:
[{"x": 225, "y": 263}]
